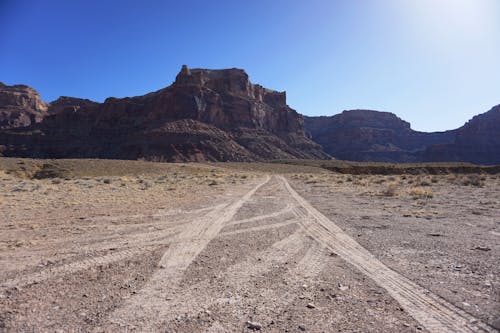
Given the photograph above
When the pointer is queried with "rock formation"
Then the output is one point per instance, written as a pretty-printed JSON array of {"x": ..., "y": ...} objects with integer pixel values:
[
  {"x": 219, "y": 115},
  {"x": 20, "y": 106},
  {"x": 478, "y": 141},
  {"x": 366, "y": 135},
  {"x": 215, "y": 115},
  {"x": 70, "y": 104}
]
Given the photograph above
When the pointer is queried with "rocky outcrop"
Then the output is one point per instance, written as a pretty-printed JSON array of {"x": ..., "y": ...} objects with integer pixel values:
[
  {"x": 215, "y": 115},
  {"x": 70, "y": 104},
  {"x": 478, "y": 141},
  {"x": 366, "y": 135},
  {"x": 20, "y": 106}
]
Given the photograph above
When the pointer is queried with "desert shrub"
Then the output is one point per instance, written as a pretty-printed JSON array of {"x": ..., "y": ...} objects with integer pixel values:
[
  {"x": 472, "y": 180},
  {"x": 391, "y": 190},
  {"x": 360, "y": 181},
  {"x": 126, "y": 179},
  {"x": 48, "y": 170},
  {"x": 420, "y": 193},
  {"x": 424, "y": 182}
]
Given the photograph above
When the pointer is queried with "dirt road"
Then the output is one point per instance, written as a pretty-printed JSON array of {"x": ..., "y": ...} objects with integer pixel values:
[{"x": 258, "y": 258}]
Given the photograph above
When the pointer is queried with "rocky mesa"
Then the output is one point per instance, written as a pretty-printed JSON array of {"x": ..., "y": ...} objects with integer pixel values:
[
  {"x": 214, "y": 115},
  {"x": 367, "y": 135},
  {"x": 478, "y": 141}
]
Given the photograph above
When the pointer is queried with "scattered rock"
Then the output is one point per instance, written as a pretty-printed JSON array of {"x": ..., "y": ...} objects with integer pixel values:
[
  {"x": 302, "y": 327},
  {"x": 482, "y": 248},
  {"x": 496, "y": 323},
  {"x": 342, "y": 287},
  {"x": 254, "y": 325},
  {"x": 311, "y": 305}
]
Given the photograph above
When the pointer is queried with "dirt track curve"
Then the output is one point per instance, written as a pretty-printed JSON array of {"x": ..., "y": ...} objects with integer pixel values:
[{"x": 264, "y": 255}]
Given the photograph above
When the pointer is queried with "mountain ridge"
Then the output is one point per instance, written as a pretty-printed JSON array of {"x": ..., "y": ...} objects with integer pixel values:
[
  {"x": 219, "y": 115},
  {"x": 214, "y": 115}
]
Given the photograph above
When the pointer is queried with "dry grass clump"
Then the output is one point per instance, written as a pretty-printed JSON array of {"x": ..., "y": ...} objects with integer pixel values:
[
  {"x": 418, "y": 192},
  {"x": 472, "y": 180},
  {"x": 424, "y": 182},
  {"x": 391, "y": 190},
  {"x": 360, "y": 181},
  {"x": 3, "y": 174}
]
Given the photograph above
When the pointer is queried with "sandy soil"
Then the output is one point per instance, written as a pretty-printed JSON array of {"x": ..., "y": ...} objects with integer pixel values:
[{"x": 225, "y": 248}]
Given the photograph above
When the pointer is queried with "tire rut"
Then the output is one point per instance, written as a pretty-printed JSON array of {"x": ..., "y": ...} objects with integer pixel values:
[
  {"x": 147, "y": 309},
  {"x": 432, "y": 311}
]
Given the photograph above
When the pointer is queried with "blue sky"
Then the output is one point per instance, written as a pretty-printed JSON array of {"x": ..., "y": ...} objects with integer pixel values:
[{"x": 435, "y": 63}]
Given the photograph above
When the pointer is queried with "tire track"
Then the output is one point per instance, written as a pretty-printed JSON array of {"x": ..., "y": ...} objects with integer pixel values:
[
  {"x": 239, "y": 277},
  {"x": 74, "y": 267},
  {"x": 432, "y": 311},
  {"x": 285, "y": 210},
  {"x": 135, "y": 244},
  {"x": 259, "y": 228},
  {"x": 148, "y": 308},
  {"x": 275, "y": 300}
]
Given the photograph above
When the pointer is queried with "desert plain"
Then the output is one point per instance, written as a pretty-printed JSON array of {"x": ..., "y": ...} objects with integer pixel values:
[{"x": 136, "y": 246}]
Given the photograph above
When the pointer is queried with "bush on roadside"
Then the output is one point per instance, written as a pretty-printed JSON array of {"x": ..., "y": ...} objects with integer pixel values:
[{"x": 420, "y": 193}]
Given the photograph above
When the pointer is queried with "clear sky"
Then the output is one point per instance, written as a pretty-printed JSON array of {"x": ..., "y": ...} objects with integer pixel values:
[{"x": 435, "y": 63}]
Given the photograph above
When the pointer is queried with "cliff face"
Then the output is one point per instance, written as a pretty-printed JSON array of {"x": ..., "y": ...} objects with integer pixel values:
[
  {"x": 70, "y": 104},
  {"x": 366, "y": 135},
  {"x": 20, "y": 106},
  {"x": 205, "y": 114},
  {"x": 478, "y": 141}
]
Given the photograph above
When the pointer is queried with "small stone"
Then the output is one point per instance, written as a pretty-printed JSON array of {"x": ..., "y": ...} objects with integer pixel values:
[
  {"x": 406, "y": 325},
  {"x": 496, "y": 323},
  {"x": 342, "y": 287},
  {"x": 302, "y": 327},
  {"x": 254, "y": 325},
  {"x": 311, "y": 305}
]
